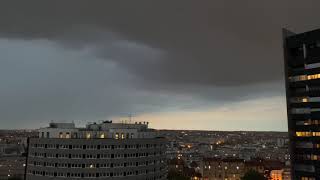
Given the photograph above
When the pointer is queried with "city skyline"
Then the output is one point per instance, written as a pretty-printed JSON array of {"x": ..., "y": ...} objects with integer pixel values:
[{"x": 210, "y": 65}]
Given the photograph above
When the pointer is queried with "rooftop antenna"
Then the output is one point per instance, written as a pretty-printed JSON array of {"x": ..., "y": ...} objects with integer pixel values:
[{"x": 130, "y": 116}]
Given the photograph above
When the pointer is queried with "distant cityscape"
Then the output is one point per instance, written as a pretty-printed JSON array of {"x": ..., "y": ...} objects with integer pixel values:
[{"x": 188, "y": 154}]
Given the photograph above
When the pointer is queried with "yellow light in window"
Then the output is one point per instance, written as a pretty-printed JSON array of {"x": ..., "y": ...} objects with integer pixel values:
[
  {"x": 60, "y": 135},
  {"x": 122, "y": 136},
  {"x": 314, "y": 157},
  {"x": 88, "y": 135},
  {"x": 117, "y": 135},
  {"x": 304, "y": 99},
  {"x": 91, "y": 165},
  {"x": 313, "y": 76},
  {"x": 102, "y": 136},
  {"x": 68, "y": 135}
]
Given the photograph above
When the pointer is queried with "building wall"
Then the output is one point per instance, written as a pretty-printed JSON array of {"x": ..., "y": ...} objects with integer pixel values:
[
  {"x": 144, "y": 158},
  {"x": 302, "y": 75},
  {"x": 223, "y": 170},
  {"x": 276, "y": 175}
]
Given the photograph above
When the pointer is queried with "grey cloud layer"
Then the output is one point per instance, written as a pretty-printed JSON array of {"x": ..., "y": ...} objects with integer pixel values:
[
  {"x": 208, "y": 42},
  {"x": 90, "y": 60},
  {"x": 43, "y": 82}
]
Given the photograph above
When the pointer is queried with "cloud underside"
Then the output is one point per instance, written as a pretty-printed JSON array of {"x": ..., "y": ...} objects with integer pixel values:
[{"x": 158, "y": 61}]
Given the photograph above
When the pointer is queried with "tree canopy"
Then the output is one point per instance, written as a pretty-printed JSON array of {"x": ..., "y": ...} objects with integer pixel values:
[{"x": 253, "y": 175}]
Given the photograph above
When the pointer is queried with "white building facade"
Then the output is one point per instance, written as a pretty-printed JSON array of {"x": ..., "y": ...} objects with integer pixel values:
[{"x": 101, "y": 151}]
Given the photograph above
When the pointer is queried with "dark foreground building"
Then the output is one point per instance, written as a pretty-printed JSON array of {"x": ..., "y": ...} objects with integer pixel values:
[
  {"x": 302, "y": 75},
  {"x": 99, "y": 151}
]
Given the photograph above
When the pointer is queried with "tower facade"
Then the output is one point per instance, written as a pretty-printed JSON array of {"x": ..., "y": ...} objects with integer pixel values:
[{"x": 302, "y": 76}]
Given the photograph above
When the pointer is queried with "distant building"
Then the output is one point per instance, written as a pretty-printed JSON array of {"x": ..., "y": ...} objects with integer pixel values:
[
  {"x": 176, "y": 165},
  {"x": 302, "y": 75},
  {"x": 281, "y": 142},
  {"x": 222, "y": 169},
  {"x": 286, "y": 173},
  {"x": 12, "y": 167},
  {"x": 103, "y": 151},
  {"x": 255, "y": 165},
  {"x": 276, "y": 175}
]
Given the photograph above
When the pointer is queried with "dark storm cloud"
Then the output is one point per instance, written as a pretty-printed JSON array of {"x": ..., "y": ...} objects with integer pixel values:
[
  {"x": 206, "y": 42},
  {"x": 99, "y": 59},
  {"x": 42, "y": 82}
]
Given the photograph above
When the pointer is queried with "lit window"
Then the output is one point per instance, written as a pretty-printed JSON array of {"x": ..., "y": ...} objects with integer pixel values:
[
  {"x": 314, "y": 157},
  {"x": 67, "y": 135},
  {"x": 303, "y": 134},
  {"x": 298, "y": 78},
  {"x": 88, "y": 135},
  {"x": 307, "y": 122},
  {"x": 102, "y": 136},
  {"x": 122, "y": 136},
  {"x": 299, "y": 99},
  {"x": 117, "y": 135},
  {"x": 315, "y": 133},
  {"x": 313, "y": 76},
  {"x": 61, "y": 135},
  {"x": 307, "y": 134}
]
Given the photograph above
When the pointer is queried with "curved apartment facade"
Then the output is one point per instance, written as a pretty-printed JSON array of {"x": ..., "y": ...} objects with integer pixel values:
[{"x": 122, "y": 152}]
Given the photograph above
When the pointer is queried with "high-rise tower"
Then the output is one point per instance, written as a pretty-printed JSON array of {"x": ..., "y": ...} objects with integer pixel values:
[{"x": 302, "y": 76}]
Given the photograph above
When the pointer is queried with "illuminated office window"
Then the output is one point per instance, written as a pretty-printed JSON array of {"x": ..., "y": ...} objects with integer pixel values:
[
  {"x": 61, "y": 135},
  {"x": 298, "y": 78},
  {"x": 313, "y": 76},
  {"x": 315, "y": 133},
  {"x": 307, "y": 122},
  {"x": 307, "y": 134},
  {"x": 102, "y": 136},
  {"x": 122, "y": 136},
  {"x": 303, "y": 134},
  {"x": 117, "y": 136},
  {"x": 299, "y": 99},
  {"x": 88, "y": 135},
  {"x": 308, "y": 178},
  {"x": 67, "y": 135},
  {"x": 314, "y": 157}
]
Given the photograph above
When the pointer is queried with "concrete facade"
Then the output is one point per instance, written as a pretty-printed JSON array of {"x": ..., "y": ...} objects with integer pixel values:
[{"x": 104, "y": 158}]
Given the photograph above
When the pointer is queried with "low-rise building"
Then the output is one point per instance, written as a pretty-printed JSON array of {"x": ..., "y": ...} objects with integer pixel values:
[
  {"x": 105, "y": 151},
  {"x": 222, "y": 169},
  {"x": 12, "y": 167}
]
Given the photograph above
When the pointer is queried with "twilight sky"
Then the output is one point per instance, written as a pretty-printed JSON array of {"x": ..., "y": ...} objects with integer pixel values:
[{"x": 210, "y": 64}]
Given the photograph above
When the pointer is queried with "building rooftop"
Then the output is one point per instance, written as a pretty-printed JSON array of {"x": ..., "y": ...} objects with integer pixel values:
[{"x": 104, "y": 129}]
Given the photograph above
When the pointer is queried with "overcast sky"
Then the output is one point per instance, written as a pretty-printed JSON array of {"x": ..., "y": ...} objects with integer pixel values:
[{"x": 210, "y": 64}]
